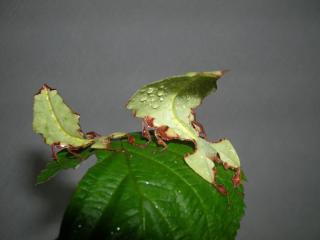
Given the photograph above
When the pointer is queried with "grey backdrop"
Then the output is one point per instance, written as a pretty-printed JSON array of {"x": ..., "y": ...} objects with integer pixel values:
[{"x": 97, "y": 53}]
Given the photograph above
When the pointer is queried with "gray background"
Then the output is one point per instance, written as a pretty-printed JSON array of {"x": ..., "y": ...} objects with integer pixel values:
[{"x": 97, "y": 53}]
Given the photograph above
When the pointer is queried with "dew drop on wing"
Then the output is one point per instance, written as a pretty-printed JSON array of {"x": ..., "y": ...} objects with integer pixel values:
[
  {"x": 150, "y": 90},
  {"x": 142, "y": 99},
  {"x": 153, "y": 99},
  {"x": 155, "y": 105},
  {"x": 160, "y": 93}
]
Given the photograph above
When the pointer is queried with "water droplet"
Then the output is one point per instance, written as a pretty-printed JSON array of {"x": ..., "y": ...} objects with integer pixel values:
[
  {"x": 142, "y": 99},
  {"x": 118, "y": 228},
  {"x": 179, "y": 191},
  {"x": 161, "y": 99},
  {"x": 152, "y": 99},
  {"x": 160, "y": 93},
  {"x": 155, "y": 105},
  {"x": 147, "y": 182},
  {"x": 79, "y": 226},
  {"x": 161, "y": 86},
  {"x": 156, "y": 206},
  {"x": 150, "y": 90}
]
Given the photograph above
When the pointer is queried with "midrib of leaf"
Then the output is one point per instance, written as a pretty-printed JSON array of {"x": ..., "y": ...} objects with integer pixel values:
[
  {"x": 179, "y": 177},
  {"x": 176, "y": 119},
  {"x": 113, "y": 196},
  {"x": 142, "y": 196},
  {"x": 97, "y": 183},
  {"x": 117, "y": 188},
  {"x": 56, "y": 118},
  {"x": 142, "y": 213}
]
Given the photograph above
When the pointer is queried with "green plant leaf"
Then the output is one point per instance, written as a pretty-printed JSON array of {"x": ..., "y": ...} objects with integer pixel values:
[
  {"x": 141, "y": 192},
  {"x": 55, "y": 121},
  {"x": 168, "y": 105},
  {"x": 65, "y": 160}
]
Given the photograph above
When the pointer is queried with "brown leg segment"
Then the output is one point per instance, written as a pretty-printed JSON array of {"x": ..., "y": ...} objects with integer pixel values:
[
  {"x": 145, "y": 131},
  {"x": 236, "y": 179},
  {"x": 53, "y": 152},
  {"x": 199, "y": 128},
  {"x": 73, "y": 151},
  {"x": 131, "y": 139},
  {"x": 220, "y": 187},
  {"x": 92, "y": 135},
  {"x": 161, "y": 136}
]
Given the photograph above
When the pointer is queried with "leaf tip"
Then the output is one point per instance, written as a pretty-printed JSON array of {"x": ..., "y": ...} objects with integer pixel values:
[
  {"x": 45, "y": 87},
  {"x": 217, "y": 74},
  {"x": 220, "y": 73}
]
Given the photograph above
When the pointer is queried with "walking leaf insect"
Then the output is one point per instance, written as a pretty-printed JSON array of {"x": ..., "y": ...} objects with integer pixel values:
[
  {"x": 144, "y": 185},
  {"x": 168, "y": 106},
  {"x": 60, "y": 128}
]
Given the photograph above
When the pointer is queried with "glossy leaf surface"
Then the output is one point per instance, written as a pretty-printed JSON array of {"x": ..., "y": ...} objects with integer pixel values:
[{"x": 145, "y": 192}]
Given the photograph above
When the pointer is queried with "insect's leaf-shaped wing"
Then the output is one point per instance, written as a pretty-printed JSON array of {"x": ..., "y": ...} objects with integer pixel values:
[
  {"x": 55, "y": 121},
  {"x": 170, "y": 102}
]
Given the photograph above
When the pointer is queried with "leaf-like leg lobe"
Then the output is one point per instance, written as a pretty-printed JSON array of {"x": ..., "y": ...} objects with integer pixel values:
[
  {"x": 221, "y": 189},
  {"x": 158, "y": 133},
  {"x": 92, "y": 135},
  {"x": 236, "y": 179},
  {"x": 131, "y": 139}
]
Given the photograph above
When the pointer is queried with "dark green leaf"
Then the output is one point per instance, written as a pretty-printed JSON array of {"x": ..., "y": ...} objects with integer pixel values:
[
  {"x": 137, "y": 192},
  {"x": 65, "y": 160}
]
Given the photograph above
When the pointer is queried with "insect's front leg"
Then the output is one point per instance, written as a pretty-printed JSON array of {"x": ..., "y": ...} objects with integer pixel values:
[
  {"x": 73, "y": 152},
  {"x": 220, "y": 187},
  {"x": 145, "y": 131},
  {"x": 53, "y": 152}
]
